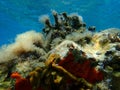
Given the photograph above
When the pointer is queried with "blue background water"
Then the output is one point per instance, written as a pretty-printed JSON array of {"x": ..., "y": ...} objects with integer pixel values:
[{"x": 17, "y": 16}]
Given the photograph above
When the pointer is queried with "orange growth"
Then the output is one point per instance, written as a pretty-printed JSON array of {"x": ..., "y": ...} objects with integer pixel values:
[{"x": 21, "y": 83}]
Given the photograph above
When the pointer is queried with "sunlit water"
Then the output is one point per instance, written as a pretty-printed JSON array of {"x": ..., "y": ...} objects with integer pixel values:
[{"x": 17, "y": 16}]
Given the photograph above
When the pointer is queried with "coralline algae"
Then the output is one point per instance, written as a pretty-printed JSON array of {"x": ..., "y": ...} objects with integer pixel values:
[{"x": 67, "y": 56}]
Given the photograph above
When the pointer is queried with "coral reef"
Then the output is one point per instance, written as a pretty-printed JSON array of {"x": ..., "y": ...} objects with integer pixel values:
[{"x": 66, "y": 56}]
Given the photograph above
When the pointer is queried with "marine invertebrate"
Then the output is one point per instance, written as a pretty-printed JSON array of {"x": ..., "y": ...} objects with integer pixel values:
[
  {"x": 81, "y": 68},
  {"x": 35, "y": 78},
  {"x": 55, "y": 75},
  {"x": 63, "y": 26},
  {"x": 52, "y": 63},
  {"x": 52, "y": 58},
  {"x": 21, "y": 83},
  {"x": 67, "y": 57}
]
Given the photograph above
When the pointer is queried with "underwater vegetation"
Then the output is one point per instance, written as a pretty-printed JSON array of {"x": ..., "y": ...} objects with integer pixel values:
[{"x": 68, "y": 55}]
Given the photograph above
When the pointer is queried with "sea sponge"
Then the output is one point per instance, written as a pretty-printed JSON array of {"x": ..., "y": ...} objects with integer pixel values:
[
  {"x": 82, "y": 69},
  {"x": 21, "y": 83},
  {"x": 35, "y": 77},
  {"x": 52, "y": 58}
]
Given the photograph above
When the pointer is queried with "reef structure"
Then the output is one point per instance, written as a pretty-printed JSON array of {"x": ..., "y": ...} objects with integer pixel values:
[{"x": 67, "y": 56}]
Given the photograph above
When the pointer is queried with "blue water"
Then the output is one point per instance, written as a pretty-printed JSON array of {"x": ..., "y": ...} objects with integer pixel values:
[{"x": 18, "y": 16}]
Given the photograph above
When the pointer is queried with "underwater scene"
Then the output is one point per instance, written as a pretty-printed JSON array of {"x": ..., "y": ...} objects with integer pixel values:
[{"x": 59, "y": 45}]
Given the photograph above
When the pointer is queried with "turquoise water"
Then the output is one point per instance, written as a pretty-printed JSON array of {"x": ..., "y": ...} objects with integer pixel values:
[{"x": 18, "y": 16}]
